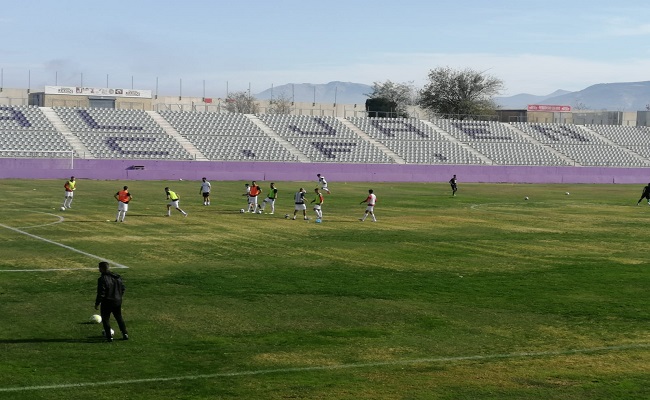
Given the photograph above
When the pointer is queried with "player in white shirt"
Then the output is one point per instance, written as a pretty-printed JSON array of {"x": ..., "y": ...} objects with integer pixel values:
[
  {"x": 299, "y": 200},
  {"x": 206, "y": 187},
  {"x": 323, "y": 183},
  {"x": 370, "y": 209}
]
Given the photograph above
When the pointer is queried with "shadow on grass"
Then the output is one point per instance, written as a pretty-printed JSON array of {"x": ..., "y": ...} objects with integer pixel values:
[{"x": 89, "y": 339}]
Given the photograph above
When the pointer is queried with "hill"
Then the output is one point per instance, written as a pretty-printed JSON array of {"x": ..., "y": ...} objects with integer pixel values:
[
  {"x": 332, "y": 92},
  {"x": 623, "y": 96}
]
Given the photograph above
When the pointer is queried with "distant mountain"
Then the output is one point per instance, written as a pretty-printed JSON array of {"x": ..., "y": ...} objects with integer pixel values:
[
  {"x": 522, "y": 100},
  {"x": 332, "y": 92},
  {"x": 624, "y": 96}
]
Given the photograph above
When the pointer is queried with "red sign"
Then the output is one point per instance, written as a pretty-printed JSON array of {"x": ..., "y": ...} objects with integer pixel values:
[
  {"x": 546, "y": 107},
  {"x": 207, "y": 100}
]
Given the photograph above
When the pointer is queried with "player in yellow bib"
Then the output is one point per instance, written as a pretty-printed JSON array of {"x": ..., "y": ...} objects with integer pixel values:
[
  {"x": 318, "y": 200},
  {"x": 174, "y": 199}
]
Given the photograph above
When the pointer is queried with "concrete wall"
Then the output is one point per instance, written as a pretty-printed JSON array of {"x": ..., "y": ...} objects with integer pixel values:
[{"x": 20, "y": 168}]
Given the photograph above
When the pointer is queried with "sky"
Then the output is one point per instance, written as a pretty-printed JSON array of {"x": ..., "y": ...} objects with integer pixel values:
[{"x": 211, "y": 47}]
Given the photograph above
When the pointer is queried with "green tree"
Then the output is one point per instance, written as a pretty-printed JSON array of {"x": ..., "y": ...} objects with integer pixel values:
[
  {"x": 460, "y": 93},
  {"x": 242, "y": 102},
  {"x": 390, "y": 99}
]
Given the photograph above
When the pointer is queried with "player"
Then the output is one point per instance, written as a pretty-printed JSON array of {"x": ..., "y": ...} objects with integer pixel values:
[
  {"x": 453, "y": 184},
  {"x": 123, "y": 197},
  {"x": 370, "y": 209},
  {"x": 319, "y": 202},
  {"x": 70, "y": 187},
  {"x": 247, "y": 193},
  {"x": 270, "y": 198},
  {"x": 171, "y": 195},
  {"x": 205, "y": 191},
  {"x": 253, "y": 192},
  {"x": 323, "y": 183},
  {"x": 110, "y": 290},
  {"x": 645, "y": 195},
  {"x": 299, "y": 200}
]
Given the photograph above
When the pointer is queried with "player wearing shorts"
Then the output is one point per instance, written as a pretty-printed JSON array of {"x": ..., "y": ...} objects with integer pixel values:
[
  {"x": 174, "y": 199},
  {"x": 370, "y": 209},
  {"x": 299, "y": 201},
  {"x": 270, "y": 198},
  {"x": 70, "y": 187},
  {"x": 318, "y": 200},
  {"x": 253, "y": 192},
  {"x": 323, "y": 183},
  {"x": 123, "y": 197},
  {"x": 205, "y": 189}
]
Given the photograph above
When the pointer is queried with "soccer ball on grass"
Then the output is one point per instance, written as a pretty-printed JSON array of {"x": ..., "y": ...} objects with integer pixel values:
[
  {"x": 62, "y": 208},
  {"x": 97, "y": 319},
  {"x": 242, "y": 211}
]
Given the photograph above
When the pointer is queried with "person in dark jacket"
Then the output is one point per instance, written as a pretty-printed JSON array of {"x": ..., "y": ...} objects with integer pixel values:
[
  {"x": 110, "y": 290},
  {"x": 645, "y": 195}
]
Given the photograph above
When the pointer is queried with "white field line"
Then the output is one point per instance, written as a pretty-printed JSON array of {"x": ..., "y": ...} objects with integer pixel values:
[
  {"x": 113, "y": 263},
  {"x": 332, "y": 367},
  {"x": 38, "y": 226}
]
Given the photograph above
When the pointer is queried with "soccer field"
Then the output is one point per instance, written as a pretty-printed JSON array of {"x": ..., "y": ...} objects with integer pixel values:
[{"x": 484, "y": 295}]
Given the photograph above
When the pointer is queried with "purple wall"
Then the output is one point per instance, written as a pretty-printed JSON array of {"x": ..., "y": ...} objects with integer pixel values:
[{"x": 24, "y": 168}]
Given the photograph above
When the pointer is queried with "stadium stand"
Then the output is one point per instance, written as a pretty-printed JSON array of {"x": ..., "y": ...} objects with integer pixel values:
[
  {"x": 26, "y": 132},
  {"x": 500, "y": 143},
  {"x": 32, "y": 132},
  {"x": 228, "y": 137},
  {"x": 324, "y": 139},
  {"x": 120, "y": 133},
  {"x": 414, "y": 141},
  {"x": 583, "y": 146}
]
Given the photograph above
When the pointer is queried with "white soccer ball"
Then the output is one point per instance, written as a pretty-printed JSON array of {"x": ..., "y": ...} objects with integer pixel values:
[
  {"x": 567, "y": 193},
  {"x": 62, "y": 208},
  {"x": 180, "y": 179},
  {"x": 112, "y": 333},
  {"x": 259, "y": 211},
  {"x": 242, "y": 211},
  {"x": 96, "y": 318},
  {"x": 286, "y": 216},
  {"x": 526, "y": 198}
]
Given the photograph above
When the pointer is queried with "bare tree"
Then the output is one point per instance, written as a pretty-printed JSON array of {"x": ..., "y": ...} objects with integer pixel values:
[
  {"x": 281, "y": 104},
  {"x": 460, "y": 92},
  {"x": 242, "y": 102},
  {"x": 397, "y": 96},
  {"x": 580, "y": 106}
]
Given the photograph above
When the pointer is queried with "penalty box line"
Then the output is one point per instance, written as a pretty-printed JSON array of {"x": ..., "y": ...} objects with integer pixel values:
[
  {"x": 113, "y": 263},
  {"x": 334, "y": 367}
]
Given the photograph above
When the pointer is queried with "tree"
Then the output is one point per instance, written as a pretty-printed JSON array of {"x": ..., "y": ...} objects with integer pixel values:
[
  {"x": 241, "y": 102},
  {"x": 460, "y": 93},
  {"x": 391, "y": 99},
  {"x": 280, "y": 105}
]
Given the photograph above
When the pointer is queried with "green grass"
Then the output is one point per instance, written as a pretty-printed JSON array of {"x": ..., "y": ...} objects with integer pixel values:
[{"x": 484, "y": 295}]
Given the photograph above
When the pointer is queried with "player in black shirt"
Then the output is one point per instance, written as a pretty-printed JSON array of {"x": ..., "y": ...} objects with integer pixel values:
[{"x": 645, "y": 195}]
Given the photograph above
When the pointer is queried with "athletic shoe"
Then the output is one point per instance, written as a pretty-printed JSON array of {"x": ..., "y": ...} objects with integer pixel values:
[
  {"x": 361, "y": 219},
  {"x": 125, "y": 336}
]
